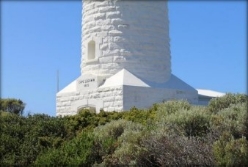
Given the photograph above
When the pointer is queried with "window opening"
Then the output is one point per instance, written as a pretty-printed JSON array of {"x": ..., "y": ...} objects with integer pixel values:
[{"x": 91, "y": 50}]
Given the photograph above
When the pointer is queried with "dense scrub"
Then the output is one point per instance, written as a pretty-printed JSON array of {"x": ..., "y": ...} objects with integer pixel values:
[{"x": 173, "y": 133}]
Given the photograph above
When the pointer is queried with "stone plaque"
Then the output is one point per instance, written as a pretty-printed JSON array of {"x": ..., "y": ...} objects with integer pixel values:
[{"x": 87, "y": 82}]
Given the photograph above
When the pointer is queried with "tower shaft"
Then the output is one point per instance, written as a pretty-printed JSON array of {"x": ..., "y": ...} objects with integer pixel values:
[{"x": 133, "y": 35}]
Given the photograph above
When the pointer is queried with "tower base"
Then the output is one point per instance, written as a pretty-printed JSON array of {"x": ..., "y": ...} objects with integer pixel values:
[{"x": 119, "y": 92}]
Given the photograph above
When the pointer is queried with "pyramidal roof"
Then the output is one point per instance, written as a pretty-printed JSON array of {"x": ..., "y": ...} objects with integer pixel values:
[
  {"x": 124, "y": 77},
  {"x": 72, "y": 87}
]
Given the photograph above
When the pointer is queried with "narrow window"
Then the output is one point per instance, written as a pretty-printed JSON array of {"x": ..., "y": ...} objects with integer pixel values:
[{"x": 91, "y": 50}]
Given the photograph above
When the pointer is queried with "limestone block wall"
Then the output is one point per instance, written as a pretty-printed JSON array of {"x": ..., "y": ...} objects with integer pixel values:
[
  {"x": 142, "y": 97},
  {"x": 119, "y": 34},
  {"x": 108, "y": 99},
  {"x": 119, "y": 98}
]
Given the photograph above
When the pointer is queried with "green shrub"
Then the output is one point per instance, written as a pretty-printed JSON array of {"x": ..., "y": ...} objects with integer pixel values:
[
  {"x": 192, "y": 122},
  {"x": 12, "y": 136},
  {"x": 86, "y": 119},
  {"x": 175, "y": 150},
  {"x": 217, "y": 104},
  {"x": 173, "y": 133},
  {"x": 139, "y": 115},
  {"x": 122, "y": 146},
  {"x": 231, "y": 152},
  {"x": 232, "y": 119},
  {"x": 15, "y": 106},
  {"x": 23, "y": 138},
  {"x": 77, "y": 152},
  {"x": 170, "y": 107}
]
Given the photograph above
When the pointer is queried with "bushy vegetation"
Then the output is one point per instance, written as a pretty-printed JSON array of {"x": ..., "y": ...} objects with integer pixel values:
[
  {"x": 173, "y": 133},
  {"x": 12, "y": 105}
]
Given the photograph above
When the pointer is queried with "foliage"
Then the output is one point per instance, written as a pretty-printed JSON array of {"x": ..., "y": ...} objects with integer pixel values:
[
  {"x": 12, "y": 105},
  {"x": 217, "y": 104},
  {"x": 140, "y": 115},
  {"x": 76, "y": 152},
  {"x": 180, "y": 117},
  {"x": 118, "y": 143},
  {"x": 175, "y": 150},
  {"x": 172, "y": 133},
  {"x": 229, "y": 151},
  {"x": 23, "y": 138},
  {"x": 232, "y": 119}
]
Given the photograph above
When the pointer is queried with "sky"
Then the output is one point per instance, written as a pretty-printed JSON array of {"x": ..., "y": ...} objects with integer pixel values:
[{"x": 38, "y": 39}]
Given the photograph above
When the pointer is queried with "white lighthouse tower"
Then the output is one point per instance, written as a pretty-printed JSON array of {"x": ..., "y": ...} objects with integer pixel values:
[{"x": 126, "y": 59}]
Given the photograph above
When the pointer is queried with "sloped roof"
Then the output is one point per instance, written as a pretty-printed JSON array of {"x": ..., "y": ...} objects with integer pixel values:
[
  {"x": 72, "y": 87},
  {"x": 124, "y": 77},
  {"x": 173, "y": 83},
  {"x": 209, "y": 93}
]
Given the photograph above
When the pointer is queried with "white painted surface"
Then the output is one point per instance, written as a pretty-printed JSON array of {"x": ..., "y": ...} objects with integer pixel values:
[
  {"x": 72, "y": 87},
  {"x": 142, "y": 97},
  {"x": 210, "y": 93},
  {"x": 131, "y": 63},
  {"x": 108, "y": 99},
  {"x": 124, "y": 77},
  {"x": 133, "y": 35},
  {"x": 121, "y": 92}
]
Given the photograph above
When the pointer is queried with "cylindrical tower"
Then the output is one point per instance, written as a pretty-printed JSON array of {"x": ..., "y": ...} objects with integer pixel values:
[{"x": 133, "y": 35}]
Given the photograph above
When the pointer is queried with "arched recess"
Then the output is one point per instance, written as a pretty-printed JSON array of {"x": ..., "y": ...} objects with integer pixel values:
[
  {"x": 91, "y": 108},
  {"x": 92, "y": 104},
  {"x": 91, "y": 50}
]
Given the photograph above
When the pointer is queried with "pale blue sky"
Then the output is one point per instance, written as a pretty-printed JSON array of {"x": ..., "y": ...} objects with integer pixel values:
[{"x": 208, "y": 47}]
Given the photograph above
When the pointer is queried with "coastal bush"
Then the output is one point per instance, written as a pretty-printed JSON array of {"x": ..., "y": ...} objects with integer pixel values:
[
  {"x": 170, "y": 107},
  {"x": 11, "y": 105},
  {"x": 142, "y": 116},
  {"x": 118, "y": 143},
  {"x": 172, "y": 133},
  {"x": 229, "y": 151},
  {"x": 183, "y": 119},
  {"x": 232, "y": 119},
  {"x": 217, "y": 104},
  {"x": 175, "y": 150},
  {"x": 23, "y": 138},
  {"x": 76, "y": 152}
]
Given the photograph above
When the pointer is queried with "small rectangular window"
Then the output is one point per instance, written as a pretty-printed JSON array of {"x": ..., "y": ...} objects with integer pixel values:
[{"x": 91, "y": 50}]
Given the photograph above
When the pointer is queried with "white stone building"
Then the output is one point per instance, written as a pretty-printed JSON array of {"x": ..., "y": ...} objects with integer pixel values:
[{"x": 126, "y": 59}]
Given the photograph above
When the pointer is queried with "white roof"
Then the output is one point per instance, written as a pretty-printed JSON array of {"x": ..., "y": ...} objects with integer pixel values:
[
  {"x": 209, "y": 93},
  {"x": 123, "y": 77},
  {"x": 72, "y": 87}
]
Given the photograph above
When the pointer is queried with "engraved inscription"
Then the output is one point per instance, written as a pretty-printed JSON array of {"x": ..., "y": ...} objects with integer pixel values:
[{"x": 86, "y": 82}]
